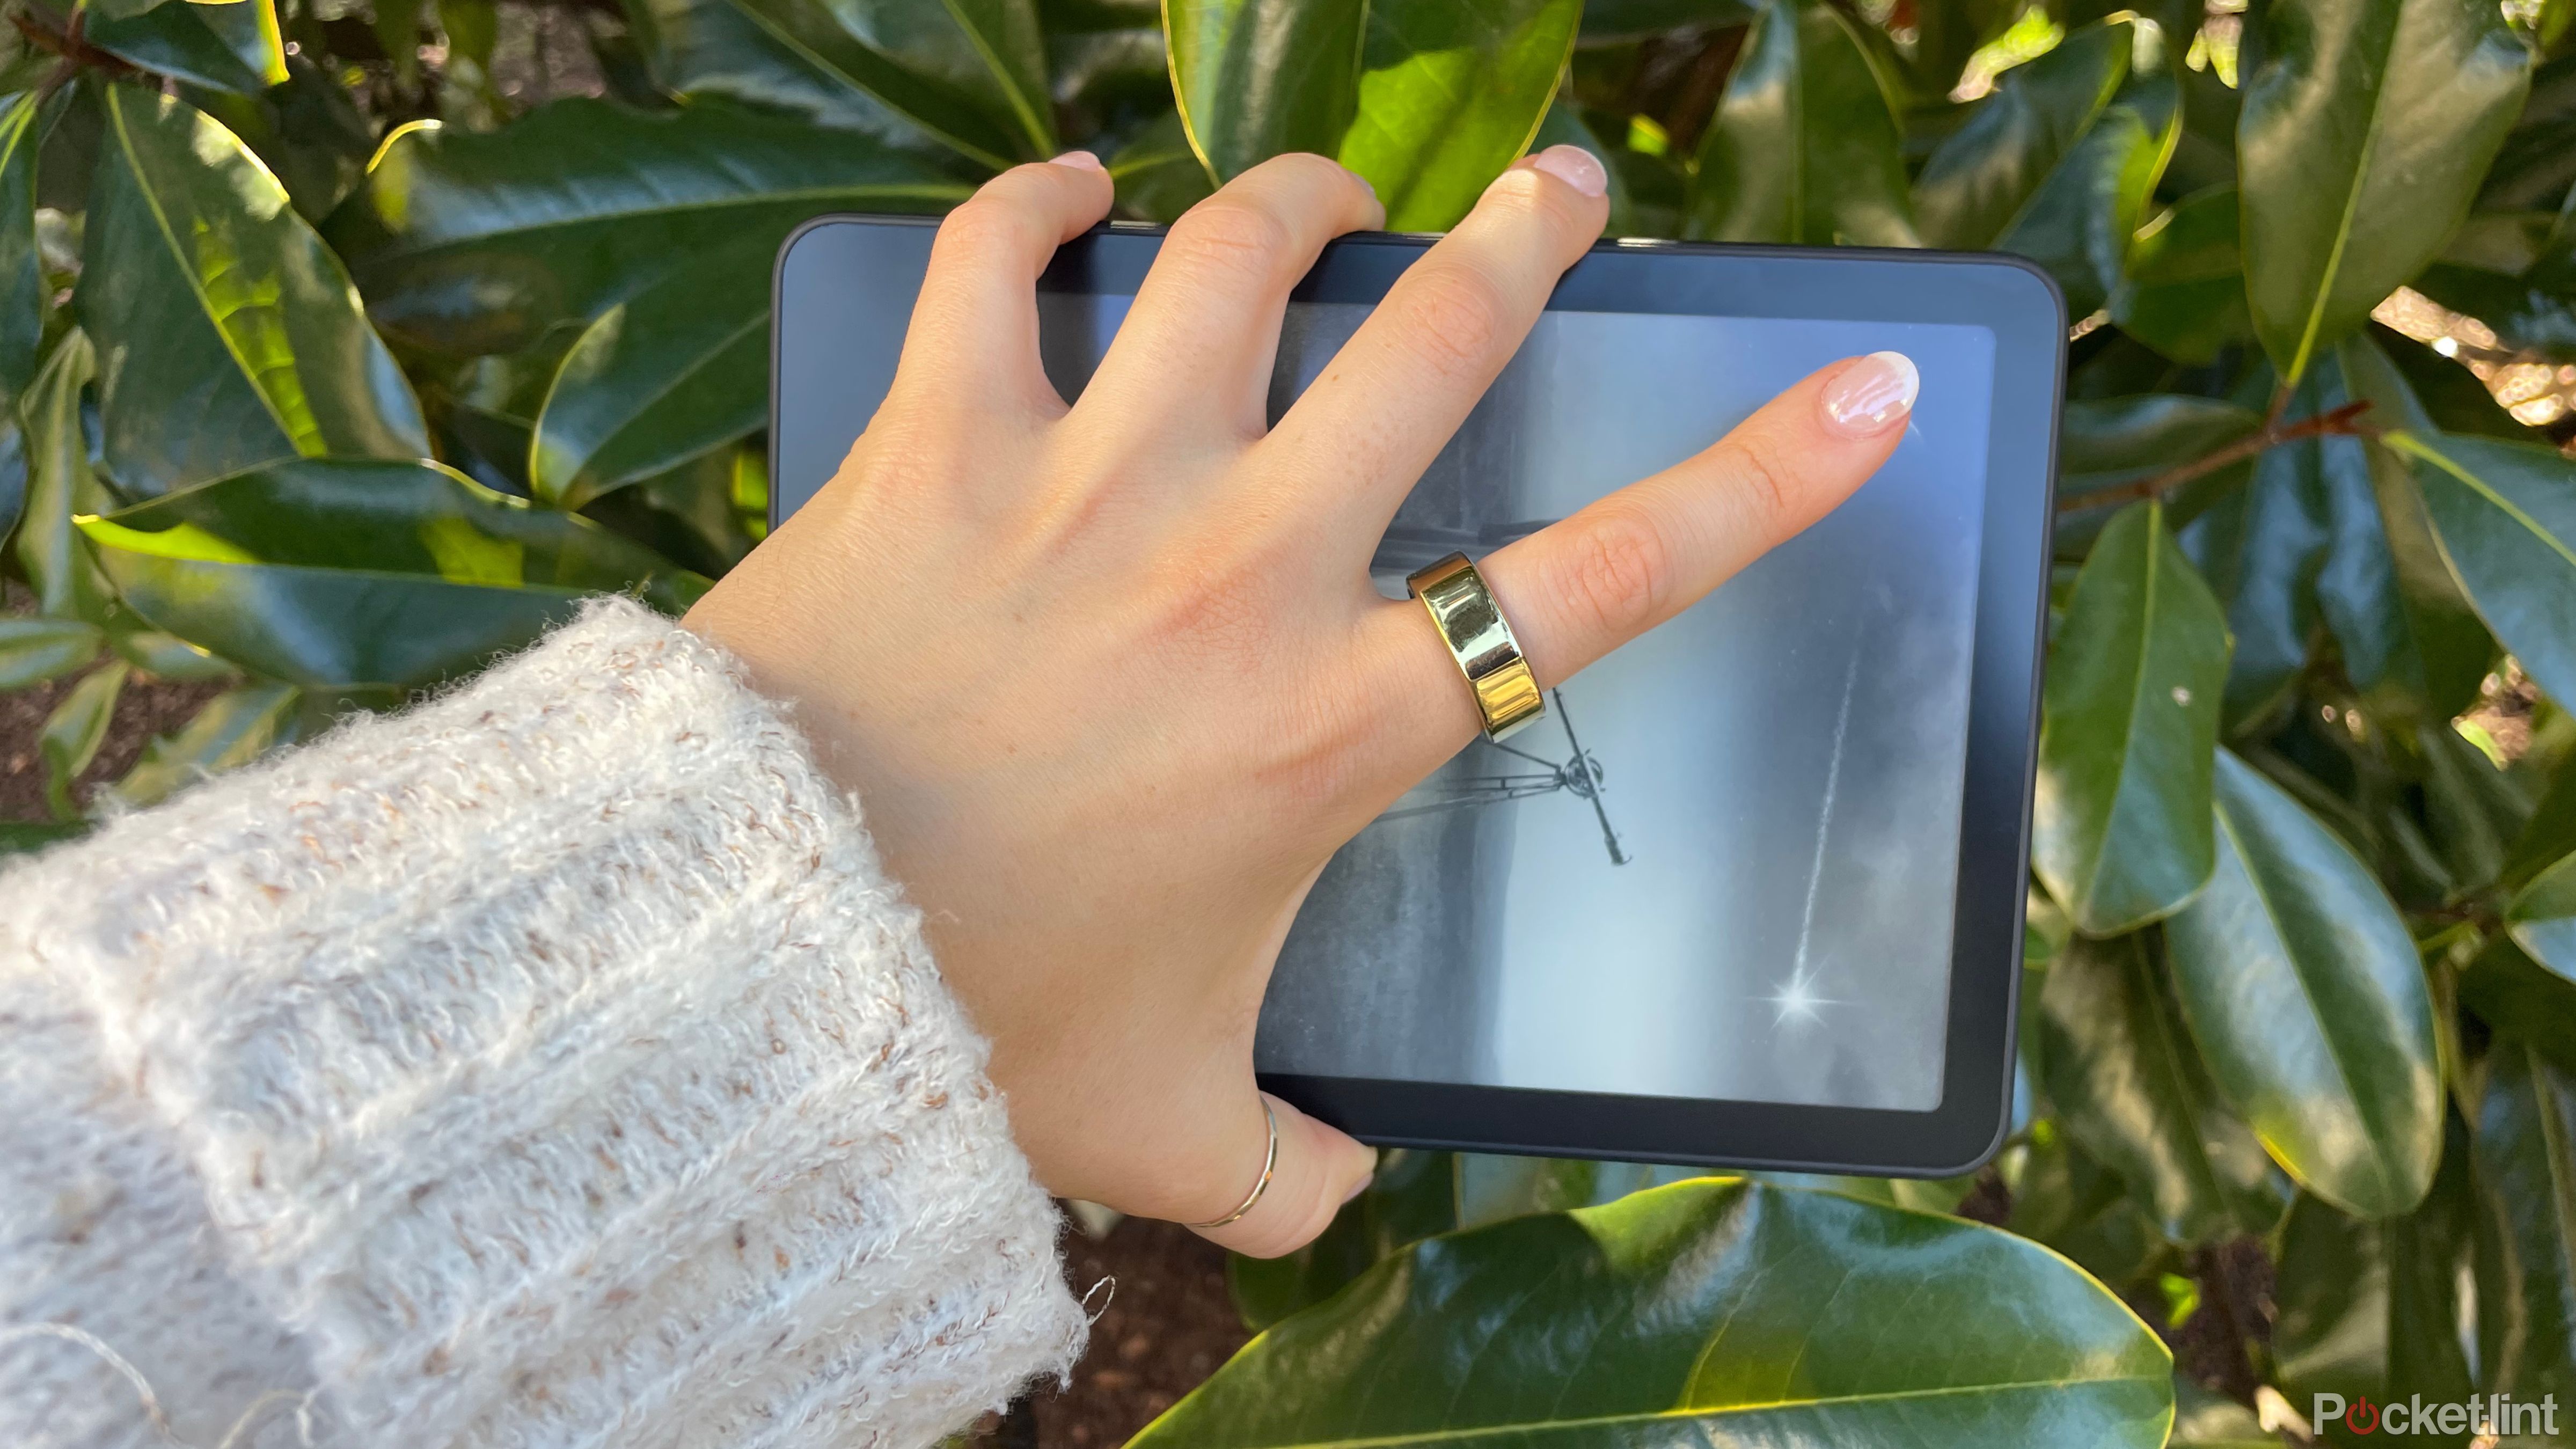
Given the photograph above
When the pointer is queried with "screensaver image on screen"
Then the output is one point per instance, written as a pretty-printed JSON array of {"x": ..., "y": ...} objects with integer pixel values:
[{"x": 1724, "y": 865}]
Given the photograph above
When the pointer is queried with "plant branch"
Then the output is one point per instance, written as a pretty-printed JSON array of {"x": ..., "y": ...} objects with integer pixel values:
[{"x": 2344, "y": 421}]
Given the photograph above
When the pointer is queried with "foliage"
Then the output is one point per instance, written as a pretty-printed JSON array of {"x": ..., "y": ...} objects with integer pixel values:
[{"x": 339, "y": 354}]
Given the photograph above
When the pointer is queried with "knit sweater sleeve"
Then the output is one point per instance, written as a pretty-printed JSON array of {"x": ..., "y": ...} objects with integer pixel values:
[{"x": 550, "y": 1065}]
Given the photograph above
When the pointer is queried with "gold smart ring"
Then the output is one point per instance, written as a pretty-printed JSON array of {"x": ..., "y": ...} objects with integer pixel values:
[{"x": 1480, "y": 639}]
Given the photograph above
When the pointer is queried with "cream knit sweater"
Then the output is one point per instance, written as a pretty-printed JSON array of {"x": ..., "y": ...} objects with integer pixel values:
[{"x": 551, "y": 1065}]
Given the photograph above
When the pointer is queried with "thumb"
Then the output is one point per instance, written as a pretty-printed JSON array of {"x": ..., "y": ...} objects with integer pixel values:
[{"x": 1317, "y": 1170}]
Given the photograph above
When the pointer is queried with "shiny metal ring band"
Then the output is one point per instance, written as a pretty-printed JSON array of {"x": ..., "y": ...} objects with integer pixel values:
[
  {"x": 1269, "y": 1161},
  {"x": 1480, "y": 639}
]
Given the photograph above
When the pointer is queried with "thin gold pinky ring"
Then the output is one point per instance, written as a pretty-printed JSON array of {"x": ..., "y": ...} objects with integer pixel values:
[
  {"x": 1269, "y": 1161},
  {"x": 1481, "y": 640}
]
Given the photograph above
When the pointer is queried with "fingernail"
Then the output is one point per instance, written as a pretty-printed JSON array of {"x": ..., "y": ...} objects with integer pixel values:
[
  {"x": 1575, "y": 167},
  {"x": 1079, "y": 161},
  {"x": 1362, "y": 1185},
  {"x": 1872, "y": 395}
]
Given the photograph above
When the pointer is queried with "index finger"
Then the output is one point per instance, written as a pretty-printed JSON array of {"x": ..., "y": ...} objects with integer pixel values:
[{"x": 1582, "y": 586}]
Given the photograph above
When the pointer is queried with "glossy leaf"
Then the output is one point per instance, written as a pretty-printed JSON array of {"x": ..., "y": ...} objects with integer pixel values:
[
  {"x": 22, "y": 269},
  {"x": 61, "y": 485},
  {"x": 2542, "y": 918},
  {"x": 2363, "y": 140},
  {"x": 1803, "y": 147},
  {"x": 1699, "y": 1313},
  {"x": 2408, "y": 634},
  {"x": 21, "y": 837},
  {"x": 233, "y": 729},
  {"x": 472, "y": 243},
  {"x": 2121, "y": 825},
  {"x": 2132, "y": 1092},
  {"x": 2260, "y": 547},
  {"x": 2537, "y": 164},
  {"x": 2116, "y": 441},
  {"x": 670, "y": 374},
  {"x": 2302, "y": 989},
  {"x": 1981, "y": 181},
  {"x": 227, "y": 335},
  {"x": 971, "y": 75},
  {"x": 1412, "y": 1196},
  {"x": 74, "y": 731},
  {"x": 234, "y": 46},
  {"x": 1157, "y": 174},
  {"x": 2505, "y": 515},
  {"x": 2083, "y": 221},
  {"x": 2062, "y": 1197},
  {"x": 2183, "y": 292},
  {"x": 2370, "y": 1310},
  {"x": 167, "y": 656},
  {"x": 35, "y": 650},
  {"x": 2526, "y": 1249},
  {"x": 1439, "y": 95},
  {"x": 334, "y": 574}
]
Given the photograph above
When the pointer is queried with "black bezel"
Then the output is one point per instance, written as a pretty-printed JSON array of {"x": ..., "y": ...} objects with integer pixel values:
[{"x": 2023, "y": 308}]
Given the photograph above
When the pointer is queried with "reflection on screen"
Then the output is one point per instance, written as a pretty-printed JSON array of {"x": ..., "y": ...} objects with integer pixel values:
[{"x": 1724, "y": 866}]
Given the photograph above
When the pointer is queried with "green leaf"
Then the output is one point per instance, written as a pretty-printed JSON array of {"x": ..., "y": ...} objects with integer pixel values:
[
  {"x": 233, "y": 46},
  {"x": 1981, "y": 180},
  {"x": 235, "y": 728},
  {"x": 167, "y": 656},
  {"x": 1449, "y": 95},
  {"x": 2410, "y": 639},
  {"x": 365, "y": 575},
  {"x": 2537, "y": 163},
  {"x": 74, "y": 731},
  {"x": 2084, "y": 220},
  {"x": 2542, "y": 918},
  {"x": 2526, "y": 1246},
  {"x": 2474, "y": 810},
  {"x": 2302, "y": 989},
  {"x": 60, "y": 485},
  {"x": 672, "y": 373},
  {"x": 1803, "y": 147},
  {"x": 1949, "y": 33},
  {"x": 2505, "y": 515},
  {"x": 2260, "y": 547},
  {"x": 20, "y": 837},
  {"x": 2183, "y": 292},
  {"x": 227, "y": 334},
  {"x": 472, "y": 243},
  {"x": 22, "y": 266},
  {"x": 2503, "y": 985},
  {"x": 2062, "y": 1197},
  {"x": 2133, "y": 1093},
  {"x": 971, "y": 74},
  {"x": 2113, "y": 442},
  {"x": 2363, "y": 140},
  {"x": 2121, "y": 827},
  {"x": 33, "y": 650},
  {"x": 1491, "y": 1188},
  {"x": 1709, "y": 1312},
  {"x": 1412, "y": 1197},
  {"x": 2371, "y": 1309},
  {"x": 1438, "y": 97},
  {"x": 1157, "y": 174}
]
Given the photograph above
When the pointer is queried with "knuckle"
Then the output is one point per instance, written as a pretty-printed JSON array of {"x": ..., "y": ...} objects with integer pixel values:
[
  {"x": 1618, "y": 573},
  {"x": 1456, "y": 316},
  {"x": 1230, "y": 236},
  {"x": 1523, "y": 194},
  {"x": 983, "y": 225},
  {"x": 1765, "y": 482}
]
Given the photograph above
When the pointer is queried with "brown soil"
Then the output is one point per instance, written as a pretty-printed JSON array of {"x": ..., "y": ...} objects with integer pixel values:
[
  {"x": 148, "y": 707},
  {"x": 1168, "y": 1323}
]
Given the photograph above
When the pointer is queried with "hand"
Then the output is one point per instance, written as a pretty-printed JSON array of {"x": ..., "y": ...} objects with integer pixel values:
[{"x": 1111, "y": 681}]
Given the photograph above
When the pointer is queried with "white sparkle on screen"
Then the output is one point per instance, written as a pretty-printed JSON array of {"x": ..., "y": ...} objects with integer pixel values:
[{"x": 1796, "y": 1000}]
